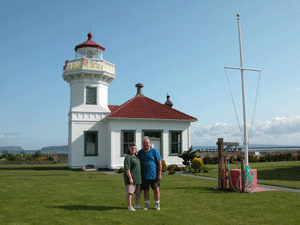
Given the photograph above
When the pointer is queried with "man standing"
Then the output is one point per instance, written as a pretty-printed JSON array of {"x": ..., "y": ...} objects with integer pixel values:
[{"x": 151, "y": 172}]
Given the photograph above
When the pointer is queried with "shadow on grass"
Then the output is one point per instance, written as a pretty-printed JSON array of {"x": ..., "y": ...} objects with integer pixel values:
[
  {"x": 288, "y": 174},
  {"x": 88, "y": 207},
  {"x": 35, "y": 168},
  {"x": 201, "y": 189}
]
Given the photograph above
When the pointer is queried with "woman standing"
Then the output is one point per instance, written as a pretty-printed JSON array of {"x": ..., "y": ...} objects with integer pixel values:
[{"x": 132, "y": 177}]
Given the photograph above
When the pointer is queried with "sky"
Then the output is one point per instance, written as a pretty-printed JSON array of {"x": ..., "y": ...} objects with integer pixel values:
[{"x": 179, "y": 47}]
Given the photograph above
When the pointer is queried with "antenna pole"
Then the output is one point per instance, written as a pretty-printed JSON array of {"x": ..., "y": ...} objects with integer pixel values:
[{"x": 243, "y": 92}]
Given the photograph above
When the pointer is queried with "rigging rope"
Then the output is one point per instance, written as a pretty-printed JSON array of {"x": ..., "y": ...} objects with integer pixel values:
[
  {"x": 237, "y": 118},
  {"x": 254, "y": 109}
]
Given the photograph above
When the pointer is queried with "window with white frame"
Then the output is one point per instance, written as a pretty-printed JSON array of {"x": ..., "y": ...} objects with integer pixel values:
[
  {"x": 175, "y": 142},
  {"x": 91, "y": 143},
  {"x": 127, "y": 137},
  {"x": 91, "y": 95}
]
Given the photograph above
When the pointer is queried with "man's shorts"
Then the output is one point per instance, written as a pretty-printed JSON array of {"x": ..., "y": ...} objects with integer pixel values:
[
  {"x": 153, "y": 183},
  {"x": 131, "y": 188}
]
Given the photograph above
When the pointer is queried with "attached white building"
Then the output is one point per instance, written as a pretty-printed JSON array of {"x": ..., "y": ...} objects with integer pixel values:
[{"x": 99, "y": 133}]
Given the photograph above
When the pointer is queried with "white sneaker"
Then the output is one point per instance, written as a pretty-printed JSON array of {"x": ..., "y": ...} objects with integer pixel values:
[
  {"x": 147, "y": 206},
  {"x": 157, "y": 206},
  {"x": 138, "y": 207},
  {"x": 131, "y": 208}
]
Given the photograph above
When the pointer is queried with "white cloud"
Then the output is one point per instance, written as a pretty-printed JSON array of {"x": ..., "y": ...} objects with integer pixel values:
[
  {"x": 10, "y": 135},
  {"x": 281, "y": 130}
]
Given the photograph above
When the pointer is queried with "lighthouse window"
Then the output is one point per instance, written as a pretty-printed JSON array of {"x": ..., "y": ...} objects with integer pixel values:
[
  {"x": 91, "y": 95},
  {"x": 91, "y": 143},
  {"x": 175, "y": 142}
]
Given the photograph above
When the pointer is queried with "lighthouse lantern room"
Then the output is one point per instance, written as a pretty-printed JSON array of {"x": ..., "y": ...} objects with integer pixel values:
[{"x": 89, "y": 49}]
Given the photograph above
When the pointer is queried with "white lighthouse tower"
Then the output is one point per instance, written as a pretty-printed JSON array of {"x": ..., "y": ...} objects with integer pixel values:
[{"x": 89, "y": 76}]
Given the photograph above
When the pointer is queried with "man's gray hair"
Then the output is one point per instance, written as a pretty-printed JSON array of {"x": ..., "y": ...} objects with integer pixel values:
[{"x": 146, "y": 138}]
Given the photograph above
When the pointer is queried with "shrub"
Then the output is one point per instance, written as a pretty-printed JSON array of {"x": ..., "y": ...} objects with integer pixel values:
[
  {"x": 190, "y": 170},
  {"x": 164, "y": 166},
  {"x": 207, "y": 160},
  {"x": 14, "y": 157},
  {"x": 253, "y": 158},
  {"x": 183, "y": 169},
  {"x": 262, "y": 159},
  {"x": 2, "y": 156},
  {"x": 50, "y": 157},
  {"x": 171, "y": 172},
  {"x": 173, "y": 168},
  {"x": 28, "y": 157},
  {"x": 178, "y": 168},
  {"x": 211, "y": 160},
  {"x": 206, "y": 170},
  {"x": 289, "y": 157},
  {"x": 121, "y": 170},
  {"x": 53, "y": 157},
  {"x": 198, "y": 164},
  {"x": 37, "y": 154},
  {"x": 188, "y": 156}
]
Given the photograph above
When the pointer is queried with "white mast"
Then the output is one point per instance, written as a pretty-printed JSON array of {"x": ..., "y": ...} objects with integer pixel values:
[{"x": 243, "y": 90}]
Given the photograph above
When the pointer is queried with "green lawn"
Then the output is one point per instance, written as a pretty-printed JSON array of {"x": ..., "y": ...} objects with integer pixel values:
[
  {"x": 284, "y": 174},
  {"x": 54, "y": 195}
]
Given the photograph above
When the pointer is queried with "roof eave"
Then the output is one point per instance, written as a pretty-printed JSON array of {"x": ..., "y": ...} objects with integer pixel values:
[{"x": 150, "y": 119}]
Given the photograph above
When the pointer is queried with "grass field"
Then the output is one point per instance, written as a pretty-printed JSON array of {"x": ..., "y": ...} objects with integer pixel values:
[{"x": 55, "y": 195}]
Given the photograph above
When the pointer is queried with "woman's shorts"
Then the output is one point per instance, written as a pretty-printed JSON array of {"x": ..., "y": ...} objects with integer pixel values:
[{"x": 131, "y": 188}]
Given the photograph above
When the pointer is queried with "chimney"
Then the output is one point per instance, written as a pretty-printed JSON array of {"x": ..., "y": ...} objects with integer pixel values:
[
  {"x": 139, "y": 87},
  {"x": 168, "y": 102}
]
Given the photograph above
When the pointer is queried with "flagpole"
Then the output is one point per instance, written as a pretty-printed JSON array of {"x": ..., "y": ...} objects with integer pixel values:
[
  {"x": 243, "y": 93},
  {"x": 242, "y": 69}
]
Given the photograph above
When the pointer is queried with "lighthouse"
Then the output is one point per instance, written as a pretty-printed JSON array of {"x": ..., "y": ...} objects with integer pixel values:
[
  {"x": 89, "y": 76},
  {"x": 100, "y": 133}
]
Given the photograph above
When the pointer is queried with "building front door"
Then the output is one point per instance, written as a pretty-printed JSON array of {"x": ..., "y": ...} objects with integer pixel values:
[
  {"x": 155, "y": 138},
  {"x": 155, "y": 143}
]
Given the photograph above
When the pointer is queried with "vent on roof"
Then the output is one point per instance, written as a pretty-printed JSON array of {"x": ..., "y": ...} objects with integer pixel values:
[
  {"x": 139, "y": 87},
  {"x": 168, "y": 102}
]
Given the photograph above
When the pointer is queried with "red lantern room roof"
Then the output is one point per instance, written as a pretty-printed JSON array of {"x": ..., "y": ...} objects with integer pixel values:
[{"x": 89, "y": 43}]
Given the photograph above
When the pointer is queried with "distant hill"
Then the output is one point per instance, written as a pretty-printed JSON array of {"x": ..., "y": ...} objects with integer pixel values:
[
  {"x": 45, "y": 150},
  {"x": 55, "y": 149},
  {"x": 11, "y": 149}
]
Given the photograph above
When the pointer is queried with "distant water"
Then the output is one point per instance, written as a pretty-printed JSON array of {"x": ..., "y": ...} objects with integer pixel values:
[{"x": 257, "y": 148}]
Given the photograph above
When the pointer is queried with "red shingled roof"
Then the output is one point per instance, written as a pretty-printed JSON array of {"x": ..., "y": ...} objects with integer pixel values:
[
  {"x": 113, "y": 108},
  {"x": 145, "y": 108},
  {"x": 89, "y": 43}
]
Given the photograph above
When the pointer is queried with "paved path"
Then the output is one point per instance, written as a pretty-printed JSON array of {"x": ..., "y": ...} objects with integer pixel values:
[{"x": 262, "y": 186}]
